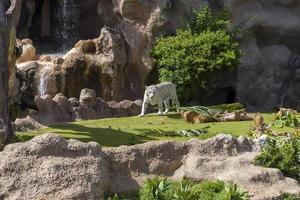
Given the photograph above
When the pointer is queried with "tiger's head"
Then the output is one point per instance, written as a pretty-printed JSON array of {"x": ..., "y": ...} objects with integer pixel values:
[{"x": 151, "y": 94}]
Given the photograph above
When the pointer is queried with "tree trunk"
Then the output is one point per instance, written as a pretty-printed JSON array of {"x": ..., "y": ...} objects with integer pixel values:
[{"x": 8, "y": 21}]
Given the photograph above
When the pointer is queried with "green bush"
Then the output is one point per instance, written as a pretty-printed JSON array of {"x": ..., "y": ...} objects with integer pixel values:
[
  {"x": 283, "y": 154},
  {"x": 193, "y": 55},
  {"x": 286, "y": 118}
]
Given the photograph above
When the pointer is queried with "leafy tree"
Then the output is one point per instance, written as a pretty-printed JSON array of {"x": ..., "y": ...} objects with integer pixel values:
[{"x": 193, "y": 55}]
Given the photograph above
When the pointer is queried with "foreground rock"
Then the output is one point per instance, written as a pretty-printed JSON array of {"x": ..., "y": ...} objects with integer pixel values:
[{"x": 50, "y": 167}]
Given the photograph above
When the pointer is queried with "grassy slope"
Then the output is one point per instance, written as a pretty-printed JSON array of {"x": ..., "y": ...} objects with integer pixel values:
[{"x": 130, "y": 130}]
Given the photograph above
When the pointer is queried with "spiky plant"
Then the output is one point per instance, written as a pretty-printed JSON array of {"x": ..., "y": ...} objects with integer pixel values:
[
  {"x": 155, "y": 189},
  {"x": 185, "y": 190}
]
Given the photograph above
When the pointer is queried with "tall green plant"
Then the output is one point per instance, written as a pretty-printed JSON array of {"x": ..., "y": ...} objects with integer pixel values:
[
  {"x": 155, "y": 189},
  {"x": 193, "y": 55}
]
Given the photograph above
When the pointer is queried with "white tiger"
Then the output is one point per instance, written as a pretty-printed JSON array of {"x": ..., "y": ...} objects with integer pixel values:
[{"x": 160, "y": 94}]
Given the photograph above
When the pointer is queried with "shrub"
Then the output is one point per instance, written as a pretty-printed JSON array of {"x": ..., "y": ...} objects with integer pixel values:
[
  {"x": 281, "y": 153},
  {"x": 156, "y": 189},
  {"x": 162, "y": 189},
  {"x": 286, "y": 118},
  {"x": 193, "y": 55}
]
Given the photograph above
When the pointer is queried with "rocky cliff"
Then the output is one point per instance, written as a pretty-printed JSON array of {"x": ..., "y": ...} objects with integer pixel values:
[
  {"x": 269, "y": 72},
  {"x": 58, "y": 25},
  {"x": 267, "y": 77}
]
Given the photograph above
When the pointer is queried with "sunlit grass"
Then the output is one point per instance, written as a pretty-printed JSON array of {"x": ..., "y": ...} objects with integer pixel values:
[{"x": 131, "y": 130}]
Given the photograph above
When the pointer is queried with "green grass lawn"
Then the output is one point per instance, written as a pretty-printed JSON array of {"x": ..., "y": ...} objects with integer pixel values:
[{"x": 113, "y": 132}]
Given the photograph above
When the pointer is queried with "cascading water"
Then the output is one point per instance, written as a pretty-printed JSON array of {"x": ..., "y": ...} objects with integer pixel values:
[
  {"x": 65, "y": 25},
  {"x": 69, "y": 24},
  {"x": 44, "y": 79}
]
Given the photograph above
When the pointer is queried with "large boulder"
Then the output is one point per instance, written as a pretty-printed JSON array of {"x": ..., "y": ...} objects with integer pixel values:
[
  {"x": 26, "y": 124},
  {"x": 126, "y": 108},
  {"x": 91, "y": 107},
  {"x": 53, "y": 110},
  {"x": 87, "y": 96},
  {"x": 50, "y": 167}
]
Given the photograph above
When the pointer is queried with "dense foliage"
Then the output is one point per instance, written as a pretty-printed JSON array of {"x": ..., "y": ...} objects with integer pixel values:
[
  {"x": 281, "y": 153},
  {"x": 189, "y": 58},
  {"x": 286, "y": 118},
  {"x": 163, "y": 189}
]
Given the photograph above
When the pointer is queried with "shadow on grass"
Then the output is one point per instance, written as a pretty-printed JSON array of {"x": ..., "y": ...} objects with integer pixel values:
[
  {"x": 108, "y": 137},
  {"x": 174, "y": 116}
]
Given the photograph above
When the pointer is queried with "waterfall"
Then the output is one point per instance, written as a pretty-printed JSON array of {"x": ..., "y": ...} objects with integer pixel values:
[
  {"x": 44, "y": 79},
  {"x": 65, "y": 18},
  {"x": 69, "y": 24}
]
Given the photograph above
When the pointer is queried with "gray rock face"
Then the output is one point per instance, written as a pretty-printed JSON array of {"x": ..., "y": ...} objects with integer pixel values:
[
  {"x": 268, "y": 74},
  {"x": 50, "y": 167}
]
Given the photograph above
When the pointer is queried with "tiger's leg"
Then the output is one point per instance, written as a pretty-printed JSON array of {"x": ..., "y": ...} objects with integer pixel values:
[
  {"x": 160, "y": 107},
  {"x": 144, "y": 107},
  {"x": 167, "y": 105},
  {"x": 176, "y": 102}
]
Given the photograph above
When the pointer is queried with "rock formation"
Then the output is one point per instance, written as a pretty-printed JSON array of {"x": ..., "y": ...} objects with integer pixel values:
[
  {"x": 8, "y": 20},
  {"x": 60, "y": 109},
  {"x": 266, "y": 78},
  {"x": 133, "y": 27},
  {"x": 269, "y": 72},
  {"x": 98, "y": 64},
  {"x": 50, "y": 167}
]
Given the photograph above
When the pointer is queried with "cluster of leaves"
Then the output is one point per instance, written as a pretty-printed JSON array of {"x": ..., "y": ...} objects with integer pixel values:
[
  {"x": 204, "y": 111},
  {"x": 281, "y": 153},
  {"x": 163, "y": 189},
  {"x": 174, "y": 133},
  {"x": 286, "y": 118},
  {"x": 189, "y": 58}
]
